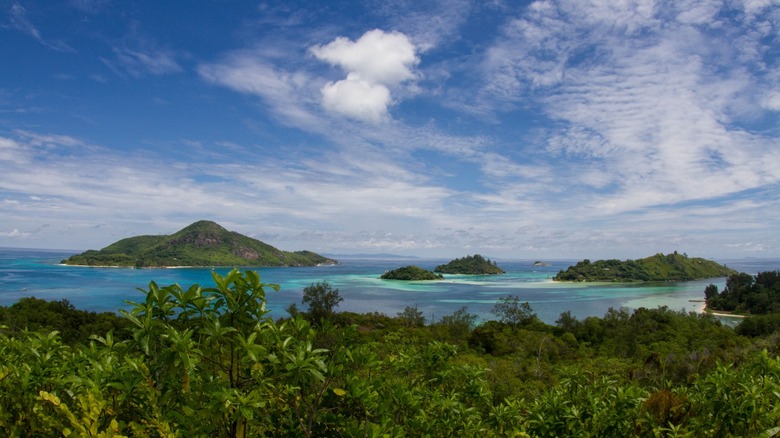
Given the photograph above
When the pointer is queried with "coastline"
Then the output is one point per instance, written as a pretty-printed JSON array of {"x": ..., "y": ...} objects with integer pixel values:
[{"x": 723, "y": 314}]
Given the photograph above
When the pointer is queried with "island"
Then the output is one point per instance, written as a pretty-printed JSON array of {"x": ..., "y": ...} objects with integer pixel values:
[
  {"x": 411, "y": 273},
  {"x": 470, "y": 265},
  {"x": 660, "y": 267},
  {"x": 203, "y": 243}
]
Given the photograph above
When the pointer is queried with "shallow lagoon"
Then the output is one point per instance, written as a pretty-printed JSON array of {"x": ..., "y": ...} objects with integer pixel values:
[{"x": 38, "y": 273}]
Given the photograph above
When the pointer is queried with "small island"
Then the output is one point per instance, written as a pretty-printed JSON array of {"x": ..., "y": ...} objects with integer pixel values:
[
  {"x": 660, "y": 267},
  {"x": 470, "y": 265},
  {"x": 411, "y": 273},
  {"x": 203, "y": 243}
]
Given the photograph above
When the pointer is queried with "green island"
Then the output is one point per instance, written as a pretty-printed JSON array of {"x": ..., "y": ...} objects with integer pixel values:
[
  {"x": 660, "y": 267},
  {"x": 210, "y": 361},
  {"x": 470, "y": 265},
  {"x": 203, "y": 243},
  {"x": 411, "y": 273}
]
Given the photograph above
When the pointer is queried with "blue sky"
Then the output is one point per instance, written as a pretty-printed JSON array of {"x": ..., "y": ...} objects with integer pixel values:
[{"x": 529, "y": 130}]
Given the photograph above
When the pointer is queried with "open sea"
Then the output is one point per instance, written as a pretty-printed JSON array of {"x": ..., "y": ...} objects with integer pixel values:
[{"x": 38, "y": 273}]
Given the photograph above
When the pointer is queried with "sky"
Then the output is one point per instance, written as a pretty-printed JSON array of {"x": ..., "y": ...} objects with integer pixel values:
[{"x": 513, "y": 129}]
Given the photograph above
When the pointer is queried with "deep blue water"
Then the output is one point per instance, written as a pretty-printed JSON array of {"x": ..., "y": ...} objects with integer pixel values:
[{"x": 25, "y": 272}]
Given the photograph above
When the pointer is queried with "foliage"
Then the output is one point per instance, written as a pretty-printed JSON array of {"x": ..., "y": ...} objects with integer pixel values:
[
  {"x": 470, "y": 265},
  {"x": 73, "y": 325},
  {"x": 745, "y": 293},
  {"x": 509, "y": 310},
  {"x": 412, "y": 316},
  {"x": 660, "y": 267},
  {"x": 203, "y": 243},
  {"x": 321, "y": 299},
  {"x": 210, "y": 362},
  {"x": 411, "y": 273},
  {"x": 456, "y": 326}
]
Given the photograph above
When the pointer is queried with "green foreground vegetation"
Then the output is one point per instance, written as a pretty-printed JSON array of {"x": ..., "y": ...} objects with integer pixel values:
[
  {"x": 660, "y": 267},
  {"x": 210, "y": 362},
  {"x": 470, "y": 265},
  {"x": 203, "y": 243}
]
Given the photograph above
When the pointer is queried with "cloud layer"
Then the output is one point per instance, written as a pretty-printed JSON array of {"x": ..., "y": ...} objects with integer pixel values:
[{"x": 550, "y": 129}]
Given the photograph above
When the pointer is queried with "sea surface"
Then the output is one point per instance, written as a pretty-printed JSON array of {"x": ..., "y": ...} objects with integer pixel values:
[{"x": 38, "y": 273}]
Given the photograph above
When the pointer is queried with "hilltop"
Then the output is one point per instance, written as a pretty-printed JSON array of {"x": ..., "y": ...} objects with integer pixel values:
[
  {"x": 470, "y": 265},
  {"x": 203, "y": 243},
  {"x": 660, "y": 267}
]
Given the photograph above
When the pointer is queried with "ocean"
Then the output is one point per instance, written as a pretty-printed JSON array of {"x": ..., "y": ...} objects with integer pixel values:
[{"x": 38, "y": 273}]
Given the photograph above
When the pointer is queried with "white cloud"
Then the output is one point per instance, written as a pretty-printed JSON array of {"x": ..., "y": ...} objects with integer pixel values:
[
  {"x": 357, "y": 98},
  {"x": 288, "y": 93},
  {"x": 655, "y": 114},
  {"x": 15, "y": 234},
  {"x": 377, "y": 56},
  {"x": 375, "y": 62},
  {"x": 771, "y": 101}
]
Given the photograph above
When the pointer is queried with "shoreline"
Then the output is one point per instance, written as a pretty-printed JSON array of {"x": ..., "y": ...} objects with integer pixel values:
[{"x": 722, "y": 314}]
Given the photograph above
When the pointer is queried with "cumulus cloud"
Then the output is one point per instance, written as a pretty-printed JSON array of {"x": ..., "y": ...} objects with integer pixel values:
[{"x": 374, "y": 63}]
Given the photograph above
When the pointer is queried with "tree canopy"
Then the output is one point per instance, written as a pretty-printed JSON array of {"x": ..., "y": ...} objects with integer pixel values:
[
  {"x": 660, "y": 267},
  {"x": 411, "y": 273},
  {"x": 745, "y": 293},
  {"x": 470, "y": 265},
  {"x": 321, "y": 299}
]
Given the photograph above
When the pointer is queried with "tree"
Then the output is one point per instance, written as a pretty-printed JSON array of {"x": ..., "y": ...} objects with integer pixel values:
[
  {"x": 412, "y": 316},
  {"x": 510, "y": 311},
  {"x": 460, "y": 323},
  {"x": 321, "y": 299},
  {"x": 567, "y": 322}
]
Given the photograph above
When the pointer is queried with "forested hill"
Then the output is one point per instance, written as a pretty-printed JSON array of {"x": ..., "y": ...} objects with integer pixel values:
[
  {"x": 470, "y": 265},
  {"x": 411, "y": 273},
  {"x": 204, "y": 243},
  {"x": 660, "y": 267}
]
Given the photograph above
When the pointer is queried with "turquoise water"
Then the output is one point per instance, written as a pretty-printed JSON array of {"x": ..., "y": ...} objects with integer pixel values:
[{"x": 38, "y": 273}]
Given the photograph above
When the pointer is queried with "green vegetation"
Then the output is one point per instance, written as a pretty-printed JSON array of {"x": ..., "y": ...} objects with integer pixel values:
[
  {"x": 411, "y": 273},
  {"x": 73, "y": 325},
  {"x": 745, "y": 293},
  {"x": 660, "y": 267},
  {"x": 210, "y": 362},
  {"x": 470, "y": 265},
  {"x": 510, "y": 311},
  {"x": 322, "y": 300},
  {"x": 203, "y": 243}
]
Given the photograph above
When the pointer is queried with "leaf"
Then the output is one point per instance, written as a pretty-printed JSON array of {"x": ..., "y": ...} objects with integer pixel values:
[
  {"x": 339, "y": 392},
  {"x": 50, "y": 398}
]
